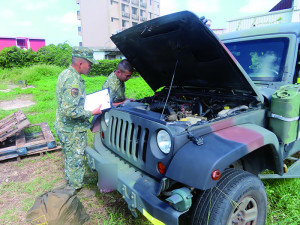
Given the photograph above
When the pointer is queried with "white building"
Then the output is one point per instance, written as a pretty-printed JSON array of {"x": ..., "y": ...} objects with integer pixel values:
[{"x": 100, "y": 19}]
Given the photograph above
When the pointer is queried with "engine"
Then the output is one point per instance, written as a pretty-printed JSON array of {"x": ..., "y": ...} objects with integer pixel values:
[{"x": 196, "y": 107}]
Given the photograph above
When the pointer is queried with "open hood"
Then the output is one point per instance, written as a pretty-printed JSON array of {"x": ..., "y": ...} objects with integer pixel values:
[{"x": 181, "y": 42}]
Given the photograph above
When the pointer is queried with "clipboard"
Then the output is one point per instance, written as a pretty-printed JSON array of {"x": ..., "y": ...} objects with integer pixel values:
[{"x": 93, "y": 100}]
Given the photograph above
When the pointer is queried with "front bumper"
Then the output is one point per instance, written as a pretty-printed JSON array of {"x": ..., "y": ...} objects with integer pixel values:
[{"x": 139, "y": 190}]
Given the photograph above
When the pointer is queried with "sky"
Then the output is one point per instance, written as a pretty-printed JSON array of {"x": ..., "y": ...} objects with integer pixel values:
[{"x": 56, "y": 20}]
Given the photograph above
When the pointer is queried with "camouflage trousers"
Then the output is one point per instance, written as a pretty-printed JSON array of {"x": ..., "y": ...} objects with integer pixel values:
[{"x": 73, "y": 147}]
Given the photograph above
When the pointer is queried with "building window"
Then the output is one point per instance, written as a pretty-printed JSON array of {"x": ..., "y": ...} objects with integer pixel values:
[
  {"x": 114, "y": 1},
  {"x": 124, "y": 13},
  {"x": 143, "y": 15},
  {"x": 134, "y": 14},
  {"x": 135, "y": 2},
  {"x": 123, "y": 7},
  {"x": 79, "y": 29},
  {"x": 150, "y": 2},
  {"x": 21, "y": 43},
  {"x": 112, "y": 19},
  {"x": 143, "y": 4},
  {"x": 134, "y": 11},
  {"x": 124, "y": 23},
  {"x": 134, "y": 23}
]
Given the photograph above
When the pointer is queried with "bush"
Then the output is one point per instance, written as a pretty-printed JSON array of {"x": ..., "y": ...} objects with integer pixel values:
[
  {"x": 15, "y": 57},
  {"x": 105, "y": 67},
  {"x": 60, "y": 55}
]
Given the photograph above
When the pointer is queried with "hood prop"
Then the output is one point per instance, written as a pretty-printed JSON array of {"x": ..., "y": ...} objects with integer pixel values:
[{"x": 162, "y": 113}]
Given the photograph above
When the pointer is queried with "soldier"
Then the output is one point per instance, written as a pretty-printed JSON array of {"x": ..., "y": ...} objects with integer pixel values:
[
  {"x": 72, "y": 121},
  {"x": 115, "y": 82}
]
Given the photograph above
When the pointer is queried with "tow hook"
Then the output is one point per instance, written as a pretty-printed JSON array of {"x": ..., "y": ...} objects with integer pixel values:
[{"x": 181, "y": 199}]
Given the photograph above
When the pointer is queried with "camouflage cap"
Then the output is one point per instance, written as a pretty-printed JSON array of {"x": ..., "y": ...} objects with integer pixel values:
[{"x": 85, "y": 53}]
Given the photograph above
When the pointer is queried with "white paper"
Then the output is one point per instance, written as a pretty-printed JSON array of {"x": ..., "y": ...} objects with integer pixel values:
[{"x": 92, "y": 101}]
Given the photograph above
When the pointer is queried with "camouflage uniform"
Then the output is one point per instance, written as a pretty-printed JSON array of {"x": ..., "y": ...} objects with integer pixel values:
[
  {"x": 116, "y": 88},
  {"x": 72, "y": 122}
]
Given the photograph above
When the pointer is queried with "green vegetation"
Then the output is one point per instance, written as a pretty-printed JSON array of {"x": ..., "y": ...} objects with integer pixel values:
[
  {"x": 36, "y": 175},
  {"x": 284, "y": 201},
  {"x": 57, "y": 55}
]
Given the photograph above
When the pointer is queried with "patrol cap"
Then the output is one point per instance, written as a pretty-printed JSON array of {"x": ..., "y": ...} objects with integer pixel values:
[{"x": 85, "y": 53}]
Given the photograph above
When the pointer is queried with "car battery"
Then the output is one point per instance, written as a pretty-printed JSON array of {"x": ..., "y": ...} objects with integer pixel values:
[{"x": 284, "y": 116}]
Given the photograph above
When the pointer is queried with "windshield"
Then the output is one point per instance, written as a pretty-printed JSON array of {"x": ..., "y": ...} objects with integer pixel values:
[{"x": 262, "y": 59}]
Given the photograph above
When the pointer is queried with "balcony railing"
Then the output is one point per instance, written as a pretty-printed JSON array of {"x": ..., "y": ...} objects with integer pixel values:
[
  {"x": 143, "y": 18},
  {"x": 143, "y": 4},
  {"x": 125, "y": 14},
  {"x": 135, "y": 17},
  {"x": 135, "y": 2}
]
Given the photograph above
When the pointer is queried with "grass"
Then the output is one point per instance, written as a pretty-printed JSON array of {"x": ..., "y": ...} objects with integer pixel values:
[
  {"x": 3, "y": 86},
  {"x": 21, "y": 182},
  {"x": 284, "y": 201}
]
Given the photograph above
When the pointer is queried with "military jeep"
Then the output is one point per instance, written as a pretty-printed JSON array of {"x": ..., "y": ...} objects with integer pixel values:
[{"x": 217, "y": 120}]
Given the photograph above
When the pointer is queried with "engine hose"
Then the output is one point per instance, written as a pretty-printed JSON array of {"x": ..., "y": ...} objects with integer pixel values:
[{"x": 158, "y": 106}]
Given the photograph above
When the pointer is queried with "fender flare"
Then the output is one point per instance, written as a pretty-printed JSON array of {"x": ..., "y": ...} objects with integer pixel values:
[{"x": 193, "y": 164}]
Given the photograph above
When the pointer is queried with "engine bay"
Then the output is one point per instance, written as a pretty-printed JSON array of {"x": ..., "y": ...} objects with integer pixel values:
[{"x": 196, "y": 107}]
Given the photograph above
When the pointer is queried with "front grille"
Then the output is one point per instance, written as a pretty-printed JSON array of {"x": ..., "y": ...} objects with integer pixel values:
[{"x": 128, "y": 138}]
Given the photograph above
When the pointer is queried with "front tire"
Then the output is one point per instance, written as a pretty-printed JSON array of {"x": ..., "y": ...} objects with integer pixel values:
[{"x": 238, "y": 198}]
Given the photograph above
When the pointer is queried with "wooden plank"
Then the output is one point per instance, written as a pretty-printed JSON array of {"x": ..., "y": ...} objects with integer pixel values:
[
  {"x": 27, "y": 144},
  {"x": 45, "y": 129},
  {"x": 20, "y": 139},
  {"x": 11, "y": 124}
]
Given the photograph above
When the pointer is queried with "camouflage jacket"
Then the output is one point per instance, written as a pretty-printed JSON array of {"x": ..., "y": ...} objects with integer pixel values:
[
  {"x": 116, "y": 88},
  {"x": 70, "y": 95}
]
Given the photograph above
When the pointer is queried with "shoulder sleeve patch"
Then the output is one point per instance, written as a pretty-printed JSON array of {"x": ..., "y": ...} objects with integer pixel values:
[{"x": 74, "y": 92}]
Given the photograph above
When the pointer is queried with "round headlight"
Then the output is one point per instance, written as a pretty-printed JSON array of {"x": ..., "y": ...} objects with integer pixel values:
[
  {"x": 106, "y": 118},
  {"x": 164, "y": 141}
]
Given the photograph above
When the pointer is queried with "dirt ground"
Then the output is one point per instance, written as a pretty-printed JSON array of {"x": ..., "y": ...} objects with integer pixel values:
[{"x": 17, "y": 103}]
